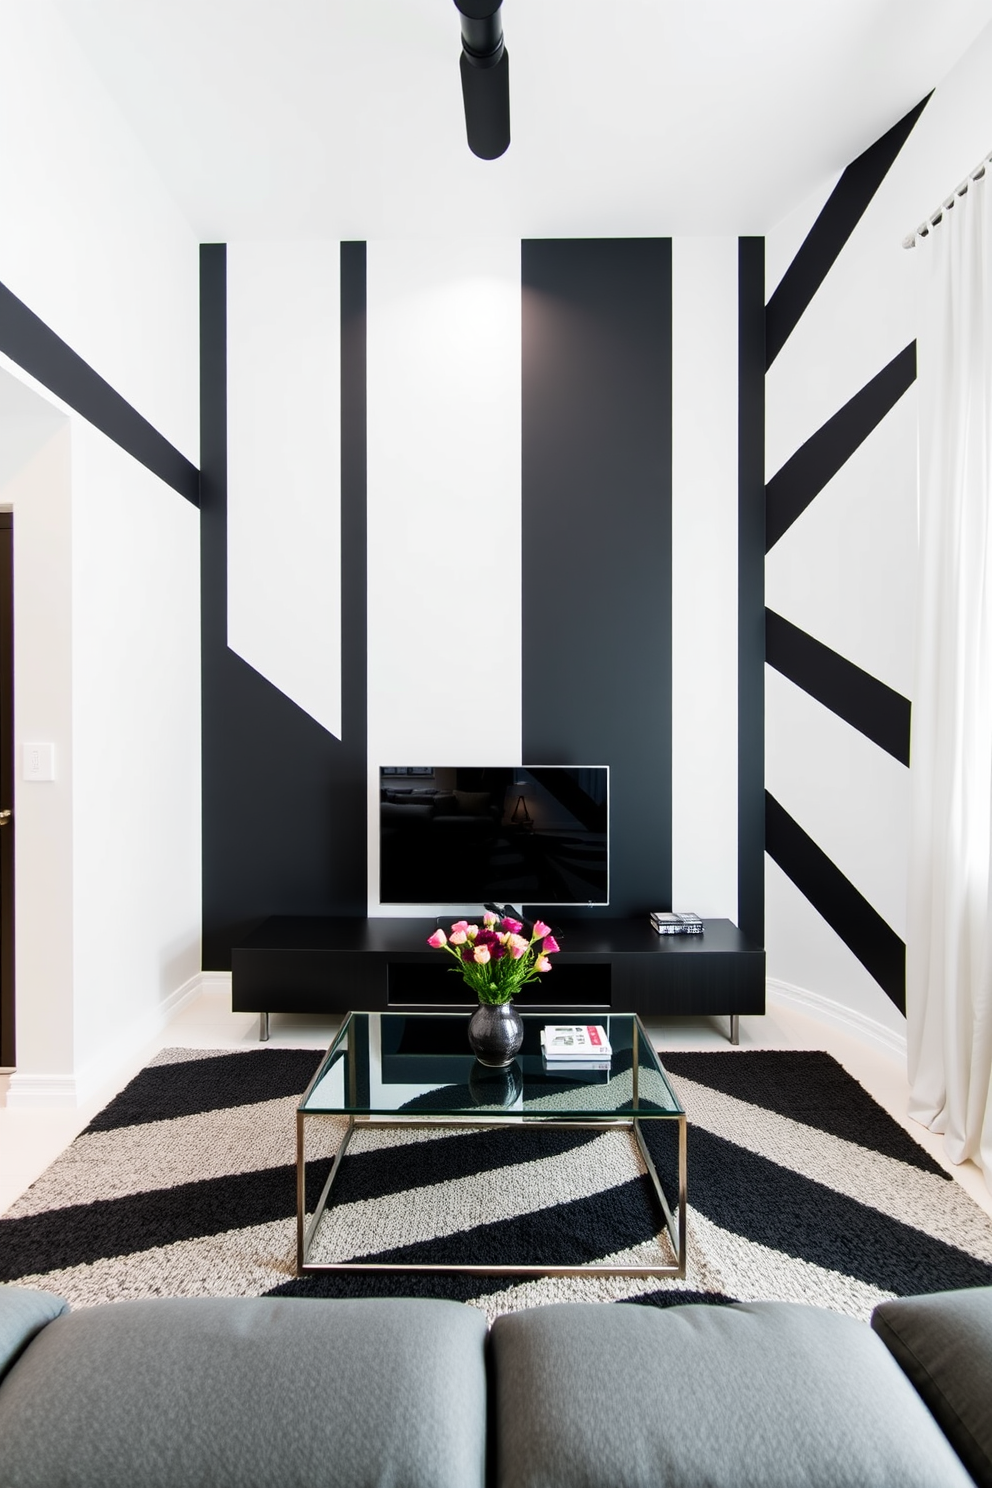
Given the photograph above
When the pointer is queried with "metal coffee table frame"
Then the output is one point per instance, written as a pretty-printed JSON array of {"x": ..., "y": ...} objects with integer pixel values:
[{"x": 674, "y": 1222}]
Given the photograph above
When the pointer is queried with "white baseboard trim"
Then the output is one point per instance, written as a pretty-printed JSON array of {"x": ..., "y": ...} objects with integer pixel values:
[
  {"x": 215, "y": 982},
  {"x": 61, "y": 1091},
  {"x": 848, "y": 1020},
  {"x": 41, "y": 1092}
]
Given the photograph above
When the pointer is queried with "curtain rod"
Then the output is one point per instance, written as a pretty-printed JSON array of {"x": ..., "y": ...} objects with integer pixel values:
[{"x": 909, "y": 241}]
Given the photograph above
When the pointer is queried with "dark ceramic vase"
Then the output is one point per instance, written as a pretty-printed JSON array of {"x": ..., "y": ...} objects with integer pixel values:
[{"x": 495, "y": 1033}]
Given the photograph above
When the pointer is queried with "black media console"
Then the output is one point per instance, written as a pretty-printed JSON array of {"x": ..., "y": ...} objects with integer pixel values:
[{"x": 295, "y": 965}]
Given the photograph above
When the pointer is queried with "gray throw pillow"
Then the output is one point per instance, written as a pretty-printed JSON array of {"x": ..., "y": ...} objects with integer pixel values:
[
  {"x": 757, "y": 1395},
  {"x": 23, "y": 1313},
  {"x": 944, "y": 1345}
]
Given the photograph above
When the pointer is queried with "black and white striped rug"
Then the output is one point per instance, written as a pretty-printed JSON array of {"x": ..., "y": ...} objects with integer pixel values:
[{"x": 800, "y": 1187}]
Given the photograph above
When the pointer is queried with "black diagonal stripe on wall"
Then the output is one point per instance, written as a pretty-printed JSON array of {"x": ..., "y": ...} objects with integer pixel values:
[
  {"x": 874, "y": 709},
  {"x": 775, "y": 1206},
  {"x": 165, "y": 1092},
  {"x": 809, "y": 1087},
  {"x": 36, "y": 348},
  {"x": 804, "y": 474},
  {"x": 596, "y": 479},
  {"x": 304, "y": 851},
  {"x": 831, "y": 230},
  {"x": 751, "y": 588},
  {"x": 844, "y": 908}
]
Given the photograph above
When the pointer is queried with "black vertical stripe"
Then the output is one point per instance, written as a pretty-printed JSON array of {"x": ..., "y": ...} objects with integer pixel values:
[
  {"x": 875, "y": 710},
  {"x": 804, "y": 474},
  {"x": 284, "y": 818},
  {"x": 831, "y": 230},
  {"x": 213, "y": 577},
  {"x": 30, "y": 343},
  {"x": 751, "y": 589},
  {"x": 596, "y": 478},
  {"x": 7, "y": 856},
  {"x": 844, "y": 907},
  {"x": 354, "y": 579}
]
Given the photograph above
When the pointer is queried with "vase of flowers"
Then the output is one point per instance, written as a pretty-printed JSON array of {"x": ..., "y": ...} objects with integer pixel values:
[{"x": 496, "y": 960}]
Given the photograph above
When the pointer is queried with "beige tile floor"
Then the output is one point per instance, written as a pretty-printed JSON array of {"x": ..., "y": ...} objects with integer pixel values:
[{"x": 31, "y": 1140}]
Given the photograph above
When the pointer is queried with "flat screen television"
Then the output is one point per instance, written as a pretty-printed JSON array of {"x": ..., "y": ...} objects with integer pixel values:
[{"x": 535, "y": 835}]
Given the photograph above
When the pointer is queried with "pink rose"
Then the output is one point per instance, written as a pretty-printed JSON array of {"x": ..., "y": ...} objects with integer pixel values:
[
  {"x": 489, "y": 920},
  {"x": 514, "y": 926},
  {"x": 460, "y": 925},
  {"x": 516, "y": 951},
  {"x": 458, "y": 937},
  {"x": 481, "y": 955},
  {"x": 544, "y": 964},
  {"x": 540, "y": 930},
  {"x": 471, "y": 931},
  {"x": 437, "y": 940},
  {"x": 550, "y": 944}
]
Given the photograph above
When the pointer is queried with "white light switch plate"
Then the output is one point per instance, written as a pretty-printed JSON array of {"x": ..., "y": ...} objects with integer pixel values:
[{"x": 39, "y": 761}]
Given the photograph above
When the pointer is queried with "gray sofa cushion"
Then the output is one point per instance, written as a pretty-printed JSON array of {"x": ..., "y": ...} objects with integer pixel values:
[
  {"x": 218, "y": 1392},
  {"x": 24, "y": 1313},
  {"x": 944, "y": 1344},
  {"x": 761, "y": 1395}
]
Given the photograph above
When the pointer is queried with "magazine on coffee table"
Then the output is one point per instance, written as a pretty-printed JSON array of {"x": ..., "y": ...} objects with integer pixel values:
[{"x": 576, "y": 1042}]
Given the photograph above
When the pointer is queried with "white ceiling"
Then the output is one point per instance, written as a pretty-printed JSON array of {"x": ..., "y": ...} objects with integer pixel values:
[{"x": 342, "y": 118}]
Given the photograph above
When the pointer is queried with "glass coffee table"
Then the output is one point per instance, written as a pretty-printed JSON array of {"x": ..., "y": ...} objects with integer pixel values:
[{"x": 415, "y": 1069}]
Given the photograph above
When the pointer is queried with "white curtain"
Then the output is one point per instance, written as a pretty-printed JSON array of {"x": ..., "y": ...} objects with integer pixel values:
[{"x": 949, "y": 947}]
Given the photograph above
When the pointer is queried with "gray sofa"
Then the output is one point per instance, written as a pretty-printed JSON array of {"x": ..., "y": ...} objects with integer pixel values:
[{"x": 404, "y": 1393}]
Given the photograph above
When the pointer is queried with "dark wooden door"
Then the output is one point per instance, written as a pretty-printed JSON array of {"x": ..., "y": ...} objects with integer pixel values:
[{"x": 6, "y": 789}]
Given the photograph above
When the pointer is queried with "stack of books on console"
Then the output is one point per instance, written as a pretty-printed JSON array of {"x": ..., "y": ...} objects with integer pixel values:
[
  {"x": 569, "y": 1046},
  {"x": 667, "y": 923}
]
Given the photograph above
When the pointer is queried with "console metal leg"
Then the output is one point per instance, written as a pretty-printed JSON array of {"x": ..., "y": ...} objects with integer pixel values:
[
  {"x": 263, "y": 1028},
  {"x": 735, "y": 1028}
]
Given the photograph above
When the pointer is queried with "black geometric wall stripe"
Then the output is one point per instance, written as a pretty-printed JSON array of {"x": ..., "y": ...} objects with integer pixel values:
[
  {"x": 354, "y": 506},
  {"x": 804, "y": 474},
  {"x": 844, "y": 908},
  {"x": 36, "y": 348},
  {"x": 874, "y": 709},
  {"x": 831, "y": 230},
  {"x": 751, "y": 588},
  {"x": 596, "y": 481}
]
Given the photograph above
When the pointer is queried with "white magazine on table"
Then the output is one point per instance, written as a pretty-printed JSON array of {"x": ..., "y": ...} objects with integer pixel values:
[{"x": 575, "y": 1041}]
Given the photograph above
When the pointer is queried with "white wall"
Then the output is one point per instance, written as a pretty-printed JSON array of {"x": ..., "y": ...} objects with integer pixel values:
[
  {"x": 845, "y": 570},
  {"x": 89, "y": 238},
  {"x": 107, "y": 914},
  {"x": 704, "y": 576},
  {"x": 35, "y": 458},
  {"x": 444, "y": 508},
  {"x": 136, "y": 748},
  {"x": 284, "y": 468}
]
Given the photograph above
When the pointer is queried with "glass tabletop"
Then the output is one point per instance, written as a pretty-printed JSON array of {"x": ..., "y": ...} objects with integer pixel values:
[{"x": 419, "y": 1064}]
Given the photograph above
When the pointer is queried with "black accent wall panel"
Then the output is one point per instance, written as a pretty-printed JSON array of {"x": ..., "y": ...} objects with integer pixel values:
[
  {"x": 33, "y": 345},
  {"x": 596, "y": 482},
  {"x": 845, "y": 909},
  {"x": 751, "y": 588},
  {"x": 284, "y": 813}
]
